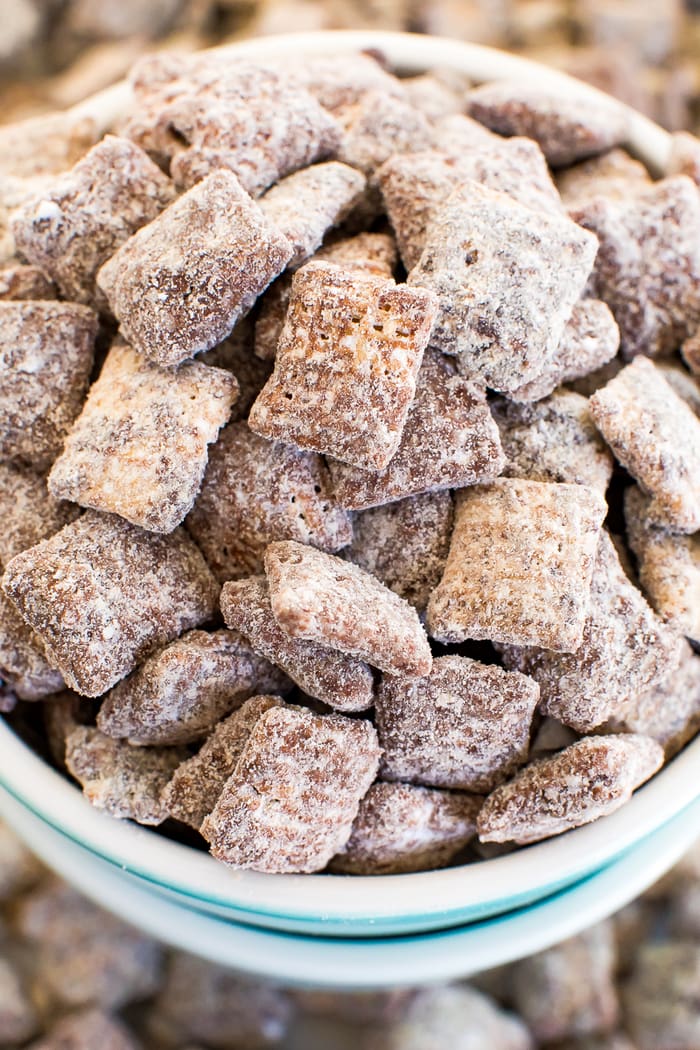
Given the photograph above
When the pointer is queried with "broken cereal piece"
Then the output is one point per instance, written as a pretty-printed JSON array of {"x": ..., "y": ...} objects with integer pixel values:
[
  {"x": 27, "y": 511},
  {"x": 18, "y": 282},
  {"x": 322, "y": 599},
  {"x": 401, "y": 828},
  {"x": 23, "y": 663},
  {"x": 346, "y": 365},
  {"x": 139, "y": 447},
  {"x": 296, "y": 789},
  {"x": 103, "y": 594},
  {"x": 466, "y": 726},
  {"x": 656, "y": 436},
  {"x": 615, "y": 174},
  {"x": 180, "y": 284},
  {"x": 520, "y": 564},
  {"x": 588, "y": 780},
  {"x": 183, "y": 690},
  {"x": 256, "y": 491}
]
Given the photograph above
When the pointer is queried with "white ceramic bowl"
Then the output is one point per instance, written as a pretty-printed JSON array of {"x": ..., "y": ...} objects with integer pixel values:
[{"x": 341, "y": 905}]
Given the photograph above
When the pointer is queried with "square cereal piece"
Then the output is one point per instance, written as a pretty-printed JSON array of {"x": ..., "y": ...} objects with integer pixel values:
[
  {"x": 139, "y": 447},
  {"x": 103, "y": 594},
  {"x": 553, "y": 440},
  {"x": 625, "y": 650},
  {"x": 319, "y": 598},
  {"x": 648, "y": 266},
  {"x": 378, "y": 126},
  {"x": 507, "y": 279},
  {"x": 449, "y": 440},
  {"x": 588, "y": 780},
  {"x": 466, "y": 726},
  {"x": 78, "y": 222},
  {"x": 46, "y": 354},
  {"x": 180, "y": 284},
  {"x": 615, "y": 174},
  {"x": 126, "y": 781},
  {"x": 405, "y": 544},
  {"x": 686, "y": 386},
  {"x": 27, "y": 511},
  {"x": 656, "y": 436},
  {"x": 46, "y": 144},
  {"x": 590, "y": 340},
  {"x": 296, "y": 789},
  {"x": 568, "y": 126},
  {"x": 23, "y": 664},
  {"x": 235, "y": 354},
  {"x": 18, "y": 282},
  {"x": 85, "y": 1029},
  {"x": 668, "y": 565},
  {"x": 181, "y": 692},
  {"x": 338, "y": 81},
  {"x": 256, "y": 491},
  {"x": 520, "y": 564},
  {"x": 306, "y": 204},
  {"x": 346, "y": 365},
  {"x": 340, "y": 681},
  {"x": 401, "y": 828},
  {"x": 198, "y": 782}
]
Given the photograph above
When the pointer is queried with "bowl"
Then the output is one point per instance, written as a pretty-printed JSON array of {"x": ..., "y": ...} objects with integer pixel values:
[{"x": 351, "y": 906}]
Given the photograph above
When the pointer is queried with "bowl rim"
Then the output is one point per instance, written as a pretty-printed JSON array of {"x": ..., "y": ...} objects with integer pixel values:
[{"x": 320, "y": 899}]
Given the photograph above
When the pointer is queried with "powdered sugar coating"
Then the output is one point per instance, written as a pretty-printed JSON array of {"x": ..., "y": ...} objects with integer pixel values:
[
  {"x": 24, "y": 282},
  {"x": 648, "y": 266},
  {"x": 338, "y": 81},
  {"x": 296, "y": 789},
  {"x": 465, "y": 726},
  {"x": 656, "y": 436},
  {"x": 77, "y": 223},
  {"x": 625, "y": 650},
  {"x": 378, "y": 126},
  {"x": 271, "y": 317},
  {"x": 346, "y": 365},
  {"x": 520, "y": 564},
  {"x": 553, "y": 440},
  {"x": 45, "y": 144},
  {"x": 588, "y": 780},
  {"x": 449, "y": 440},
  {"x": 340, "y": 681},
  {"x": 320, "y": 598},
  {"x": 405, "y": 544},
  {"x": 180, "y": 284},
  {"x": 181, "y": 692},
  {"x": 139, "y": 447},
  {"x": 401, "y": 828},
  {"x": 507, "y": 279},
  {"x": 46, "y": 352},
  {"x": 678, "y": 378},
  {"x": 256, "y": 491},
  {"x": 614, "y": 174},
  {"x": 126, "y": 781},
  {"x": 198, "y": 782},
  {"x": 566, "y": 128},
  {"x": 436, "y": 93},
  {"x": 103, "y": 594},
  {"x": 23, "y": 664},
  {"x": 235, "y": 354},
  {"x": 27, "y": 511}
]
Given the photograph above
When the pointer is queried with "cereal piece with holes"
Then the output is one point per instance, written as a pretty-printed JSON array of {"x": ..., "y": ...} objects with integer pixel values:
[
  {"x": 346, "y": 365},
  {"x": 290, "y": 804}
]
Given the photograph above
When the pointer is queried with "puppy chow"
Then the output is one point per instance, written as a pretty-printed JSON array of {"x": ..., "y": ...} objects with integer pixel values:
[
  {"x": 339, "y": 81},
  {"x": 684, "y": 158},
  {"x": 236, "y": 355},
  {"x": 379, "y": 126},
  {"x": 18, "y": 282},
  {"x": 23, "y": 664},
  {"x": 614, "y": 174},
  {"x": 85, "y": 1030},
  {"x": 659, "y": 996},
  {"x": 19, "y": 1018},
  {"x": 28, "y": 513},
  {"x": 436, "y": 94}
]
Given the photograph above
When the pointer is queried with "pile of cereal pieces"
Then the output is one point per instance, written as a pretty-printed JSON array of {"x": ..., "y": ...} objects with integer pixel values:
[{"x": 351, "y": 462}]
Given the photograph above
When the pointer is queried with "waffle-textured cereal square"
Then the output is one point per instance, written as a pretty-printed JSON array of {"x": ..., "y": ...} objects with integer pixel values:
[
  {"x": 378, "y": 126},
  {"x": 23, "y": 664},
  {"x": 27, "y": 511}
]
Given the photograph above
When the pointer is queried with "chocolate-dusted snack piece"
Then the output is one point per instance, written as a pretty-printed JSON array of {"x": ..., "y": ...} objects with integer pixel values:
[
  {"x": 46, "y": 349},
  {"x": 197, "y": 783},
  {"x": 553, "y": 440},
  {"x": 346, "y": 365},
  {"x": 296, "y": 789},
  {"x": 271, "y": 316},
  {"x": 625, "y": 650},
  {"x": 19, "y": 282},
  {"x": 27, "y": 511},
  {"x": 103, "y": 594},
  {"x": 85, "y": 1030},
  {"x": 690, "y": 352},
  {"x": 656, "y": 436},
  {"x": 306, "y": 204},
  {"x": 235, "y": 354},
  {"x": 436, "y": 94},
  {"x": 401, "y": 828},
  {"x": 320, "y": 598},
  {"x": 64, "y": 713},
  {"x": 678, "y": 378},
  {"x": 76, "y": 224},
  {"x": 45, "y": 144},
  {"x": 668, "y": 564},
  {"x": 466, "y": 726},
  {"x": 591, "y": 339},
  {"x": 588, "y": 780},
  {"x": 256, "y": 491},
  {"x": 519, "y": 565},
  {"x": 659, "y": 996},
  {"x": 648, "y": 266},
  {"x": 19, "y": 868},
  {"x": 615, "y": 174},
  {"x": 180, "y": 284},
  {"x": 338, "y": 81},
  {"x": 139, "y": 447},
  {"x": 341, "y": 681},
  {"x": 449, "y": 440},
  {"x": 378, "y": 126},
  {"x": 23, "y": 663},
  {"x": 19, "y": 1019},
  {"x": 181, "y": 692},
  {"x": 405, "y": 544},
  {"x": 126, "y": 781},
  {"x": 507, "y": 279},
  {"x": 568, "y": 127}
]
